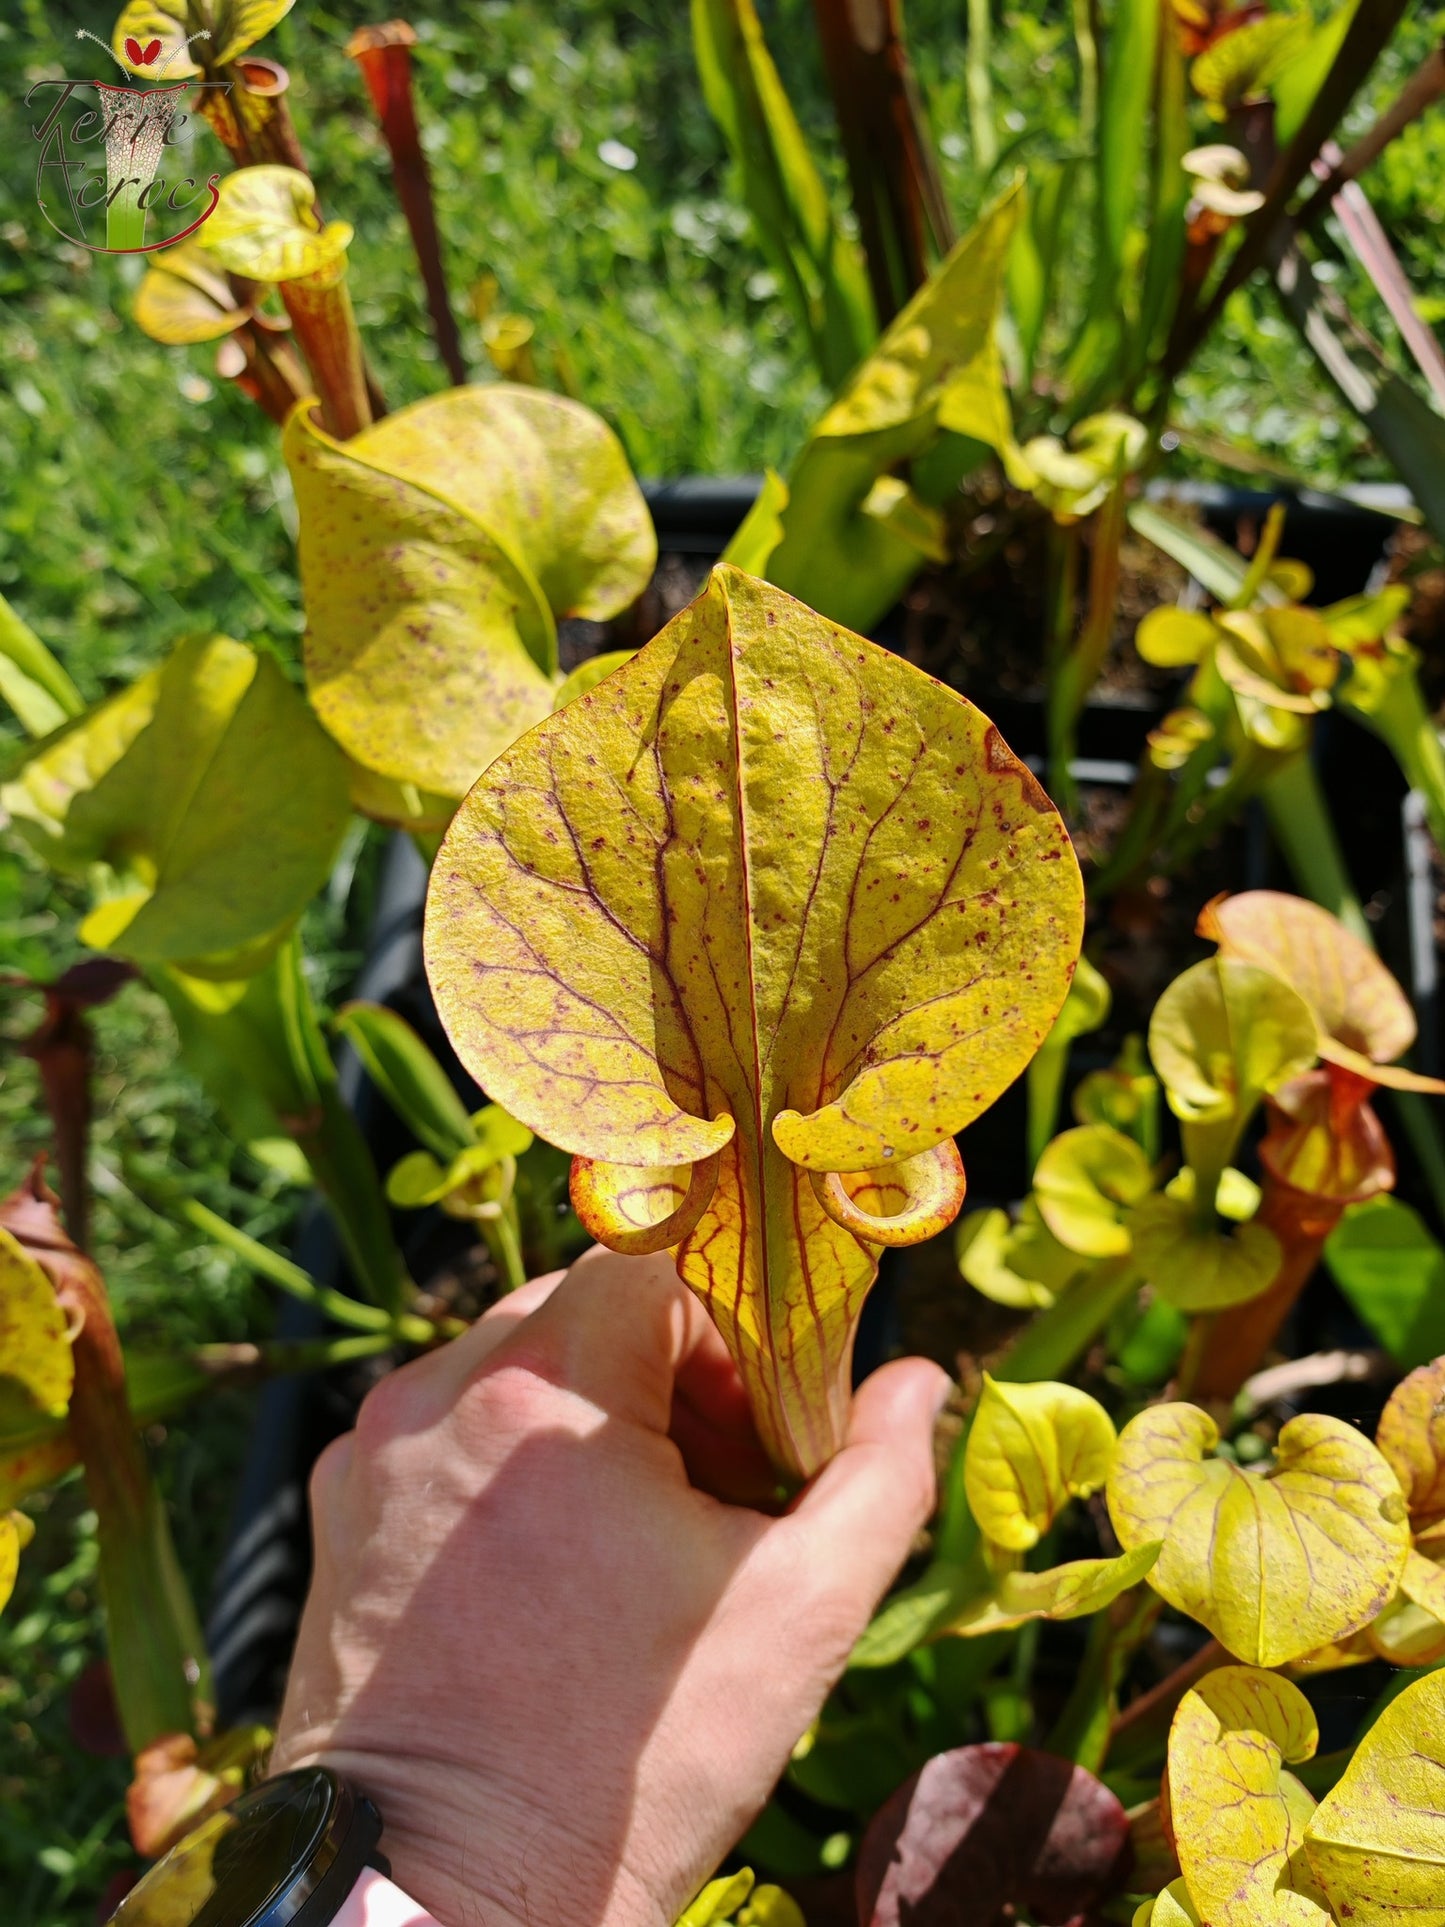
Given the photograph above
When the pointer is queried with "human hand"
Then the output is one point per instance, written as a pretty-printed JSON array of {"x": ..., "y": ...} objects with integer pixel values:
[{"x": 569, "y": 1677}]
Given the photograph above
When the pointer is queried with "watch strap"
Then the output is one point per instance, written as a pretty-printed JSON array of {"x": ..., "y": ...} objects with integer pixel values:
[{"x": 376, "y": 1901}]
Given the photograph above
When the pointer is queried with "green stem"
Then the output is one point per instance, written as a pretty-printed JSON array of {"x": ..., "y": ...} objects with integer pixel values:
[
  {"x": 1087, "y": 42},
  {"x": 1302, "y": 828},
  {"x": 1044, "y": 1085},
  {"x": 1082, "y": 1731},
  {"x": 504, "y": 1241},
  {"x": 288, "y": 1277},
  {"x": 1070, "y": 685},
  {"x": 1402, "y": 721},
  {"x": 980, "y": 85},
  {"x": 1139, "y": 837},
  {"x": 283, "y": 1357},
  {"x": 338, "y": 1154}
]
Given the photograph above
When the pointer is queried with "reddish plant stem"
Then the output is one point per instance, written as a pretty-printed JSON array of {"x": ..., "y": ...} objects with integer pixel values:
[
  {"x": 897, "y": 190},
  {"x": 384, "y": 57},
  {"x": 1144, "y": 1724},
  {"x": 253, "y": 122},
  {"x": 1235, "y": 1341},
  {"x": 61, "y": 1046},
  {"x": 157, "y": 1656},
  {"x": 1420, "y": 92},
  {"x": 321, "y": 313},
  {"x": 266, "y": 369}
]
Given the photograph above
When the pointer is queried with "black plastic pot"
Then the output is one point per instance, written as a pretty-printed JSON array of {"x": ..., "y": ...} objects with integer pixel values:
[{"x": 263, "y": 1577}]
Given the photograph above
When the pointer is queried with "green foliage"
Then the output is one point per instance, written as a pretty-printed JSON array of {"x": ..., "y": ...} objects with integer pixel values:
[{"x": 1386, "y": 1261}]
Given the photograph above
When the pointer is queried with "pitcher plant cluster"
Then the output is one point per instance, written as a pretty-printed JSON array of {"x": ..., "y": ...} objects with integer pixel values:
[{"x": 736, "y": 932}]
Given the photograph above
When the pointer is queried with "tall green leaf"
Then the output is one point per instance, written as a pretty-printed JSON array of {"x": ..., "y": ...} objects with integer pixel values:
[
  {"x": 854, "y": 535},
  {"x": 408, "y": 1076},
  {"x": 821, "y": 268},
  {"x": 1119, "y": 163},
  {"x": 1033, "y": 260},
  {"x": 1169, "y": 195},
  {"x": 32, "y": 682}
]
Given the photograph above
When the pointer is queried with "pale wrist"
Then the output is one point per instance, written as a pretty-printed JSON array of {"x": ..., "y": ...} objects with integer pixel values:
[{"x": 376, "y": 1901}]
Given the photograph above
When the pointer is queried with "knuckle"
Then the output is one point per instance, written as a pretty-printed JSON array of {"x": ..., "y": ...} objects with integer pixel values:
[
  {"x": 514, "y": 1394},
  {"x": 328, "y": 1476},
  {"x": 387, "y": 1412}
]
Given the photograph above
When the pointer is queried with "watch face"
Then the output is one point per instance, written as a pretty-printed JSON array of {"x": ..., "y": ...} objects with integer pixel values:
[{"x": 241, "y": 1861}]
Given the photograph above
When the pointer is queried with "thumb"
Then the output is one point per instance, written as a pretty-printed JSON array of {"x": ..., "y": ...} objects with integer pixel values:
[{"x": 862, "y": 1512}]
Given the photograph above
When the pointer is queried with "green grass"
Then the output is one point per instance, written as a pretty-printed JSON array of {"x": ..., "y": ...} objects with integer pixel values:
[{"x": 142, "y": 497}]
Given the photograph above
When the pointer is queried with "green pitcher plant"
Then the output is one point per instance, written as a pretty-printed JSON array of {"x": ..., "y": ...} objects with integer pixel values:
[{"x": 752, "y": 929}]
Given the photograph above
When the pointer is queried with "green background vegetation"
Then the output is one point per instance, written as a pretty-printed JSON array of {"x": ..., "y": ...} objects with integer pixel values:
[{"x": 141, "y": 498}]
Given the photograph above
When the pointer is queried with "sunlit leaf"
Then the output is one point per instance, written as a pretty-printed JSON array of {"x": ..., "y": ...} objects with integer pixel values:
[
  {"x": 401, "y": 805},
  {"x": 1225, "y": 1032},
  {"x": 1070, "y": 1591},
  {"x": 1219, "y": 178},
  {"x": 1125, "y": 1097},
  {"x": 1085, "y": 1184},
  {"x": 719, "y": 1900},
  {"x": 1170, "y": 638},
  {"x": 937, "y": 368},
  {"x": 266, "y": 227},
  {"x": 1242, "y": 65},
  {"x": 1364, "y": 1018},
  {"x": 1200, "y": 1267},
  {"x": 1411, "y": 1434},
  {"x": 184, "y": 298},
  {"x": 628, "y": 907},
  {"x": 1022, "y": 1264},
  {"x": 1032, "y": 1448},
  {"x": 1072, "y": 479},
  {"x": 1376, "y": 1842},
  {"x": 1238, "y": 1815},
  {"x": 1275, "y": 1567},
  {"x": 987, "y": 1834},
  {"x": 36, "y": 1369},
  {"x": 761, "y": 529},
  {"x": 437, "y": 550},
  {"x": 16, "y": 1532},
  {"x": 408, "y": 1076},
  {"x": 1411, "y": 1629},
  {"x": 1172, "y": 1908},
  {"x": 32, "y": 682},
  {"x": 820, "y": 264},
  {"x": 203, "y": 805}
]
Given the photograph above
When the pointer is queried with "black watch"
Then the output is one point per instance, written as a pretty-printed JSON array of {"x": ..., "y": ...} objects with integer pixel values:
[{"x": 285, "y": 1855}]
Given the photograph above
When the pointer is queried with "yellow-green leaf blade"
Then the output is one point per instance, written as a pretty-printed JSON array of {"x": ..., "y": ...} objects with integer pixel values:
[
  {"x": 1032, "y": 1448},
  {"x": 1275, "y": 1568},
  {"x": 36, "y": 1368},
  {"x": 203, "y": 803},
  {"x": 266, "y": 227},
  {"x": 1070, "y": 1591},
  {"x": 1085, "y": 1183},
  {"x": 1376, "y": 1842},
  {"x": 429, "y": 547},
  {"x": 1237, "y": 1815}
]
